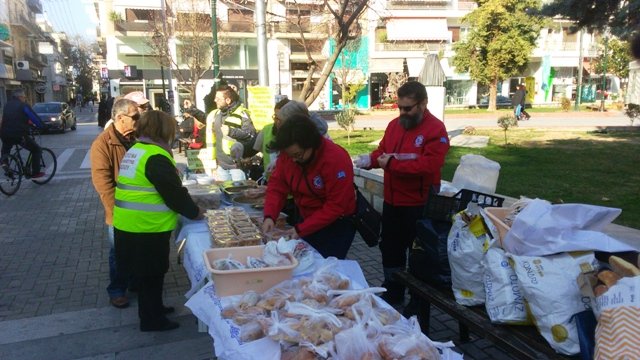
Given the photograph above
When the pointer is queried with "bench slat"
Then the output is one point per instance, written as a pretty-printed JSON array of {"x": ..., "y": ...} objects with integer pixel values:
[{"x": 522, "y": 342}]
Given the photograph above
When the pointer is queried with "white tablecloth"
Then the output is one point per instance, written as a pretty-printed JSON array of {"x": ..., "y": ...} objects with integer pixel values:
[{"x": 197, "y": 240}]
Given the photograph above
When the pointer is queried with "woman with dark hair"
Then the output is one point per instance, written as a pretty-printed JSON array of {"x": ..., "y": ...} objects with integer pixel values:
[
  {"x": 319, "y": 175},
  {"x": 149, "y": 196}
]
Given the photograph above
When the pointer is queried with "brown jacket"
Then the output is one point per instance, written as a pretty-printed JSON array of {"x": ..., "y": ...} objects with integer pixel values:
[{"x": 106, "y": 154}]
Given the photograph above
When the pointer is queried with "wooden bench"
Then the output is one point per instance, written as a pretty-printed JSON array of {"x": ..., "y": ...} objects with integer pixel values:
[
  {"x": 183, "y": 142},
  {"x": 521, "y": 342},
  {"x": 594, "y": 107}
]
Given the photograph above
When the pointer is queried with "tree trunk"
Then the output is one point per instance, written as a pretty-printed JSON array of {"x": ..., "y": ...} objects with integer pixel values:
[{"x": 493, "y": 92}]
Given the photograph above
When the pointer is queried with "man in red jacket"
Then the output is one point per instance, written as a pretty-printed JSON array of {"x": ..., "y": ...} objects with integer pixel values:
[
  {"x": 412, "y": 153},
  {"x": 319, "y": 175}
]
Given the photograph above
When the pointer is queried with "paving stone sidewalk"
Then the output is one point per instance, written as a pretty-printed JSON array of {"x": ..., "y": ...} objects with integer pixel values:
[{"x": 53, "y": 272}]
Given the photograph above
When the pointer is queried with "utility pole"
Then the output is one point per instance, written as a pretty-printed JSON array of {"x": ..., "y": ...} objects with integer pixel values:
[
  {"x": 215, "y": 58},
  {"x": 604, "y": 72},
  {"x": 170, "y": 79},
  {"x": 263, "y": 73},
  {"x": 579, "y": 83}
]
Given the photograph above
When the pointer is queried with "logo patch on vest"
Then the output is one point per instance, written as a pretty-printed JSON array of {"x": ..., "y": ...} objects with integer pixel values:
[
  {"x": 418, "y": 141},
  {"x": 341, "y": 174},
  {"x": 130, "y": 162},
  {"x": 317, "y": 182}
]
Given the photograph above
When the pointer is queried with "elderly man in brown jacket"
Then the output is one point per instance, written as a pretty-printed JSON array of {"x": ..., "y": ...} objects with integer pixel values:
[{"x": 107, "y": 152}]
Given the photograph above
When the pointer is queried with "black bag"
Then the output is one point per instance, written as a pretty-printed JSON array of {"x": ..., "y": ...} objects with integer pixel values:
[{"x": 367, "y": 220}]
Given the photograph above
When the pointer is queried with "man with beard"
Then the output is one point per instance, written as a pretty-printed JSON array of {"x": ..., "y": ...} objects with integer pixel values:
[
  {"x": 412, "y": 153},
  {"x": 319, "y": 175},
  {"x": 229, "y": 127}
]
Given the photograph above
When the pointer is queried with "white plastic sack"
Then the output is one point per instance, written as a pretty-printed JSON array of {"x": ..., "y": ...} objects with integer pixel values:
[
  {"x": 544, "y": 229},
  {"x": 505, "y": 302},
  {"x": 550, "y": 287},
  {"x": 478, "y": 173},
  {"x": 466, "y": 250}
]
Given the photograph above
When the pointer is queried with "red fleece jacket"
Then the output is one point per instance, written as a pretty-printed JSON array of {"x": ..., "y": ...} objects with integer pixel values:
[
  {"x": 407, "y": 182},
  {"x": 322, "y": 189}
]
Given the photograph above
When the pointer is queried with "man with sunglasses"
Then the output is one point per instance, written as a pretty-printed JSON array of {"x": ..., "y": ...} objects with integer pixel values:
[
  {"x": 107, "y": 152},
  {"x": 412, "y": 153}
]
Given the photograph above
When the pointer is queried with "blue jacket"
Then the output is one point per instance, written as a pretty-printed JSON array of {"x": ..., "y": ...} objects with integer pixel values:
[{"x": 15, "y": 119}]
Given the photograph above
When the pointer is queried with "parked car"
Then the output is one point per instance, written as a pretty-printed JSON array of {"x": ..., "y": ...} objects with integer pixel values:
[
  {"x": 57, "y": 116},
  {"x": 502, "y": 102}
]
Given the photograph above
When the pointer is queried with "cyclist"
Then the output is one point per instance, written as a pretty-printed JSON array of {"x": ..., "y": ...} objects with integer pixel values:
[{"x": 18, "y": 117}]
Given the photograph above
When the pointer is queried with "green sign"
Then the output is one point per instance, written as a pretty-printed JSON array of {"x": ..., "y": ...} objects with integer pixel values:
[{"x": 5, "y": 34}]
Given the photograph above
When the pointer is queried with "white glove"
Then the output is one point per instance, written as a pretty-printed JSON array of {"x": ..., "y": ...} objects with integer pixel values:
[
  {"x": 273, "y": 158},
  {"x": 362, "y": 161}
]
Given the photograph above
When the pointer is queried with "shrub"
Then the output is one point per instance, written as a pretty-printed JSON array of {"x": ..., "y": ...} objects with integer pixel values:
[
  {"x": 633, "y": 112},
  {"x": 346, "y": 119},
  {"x": 506, "y": 122},
  {"x": 565, "y": 104},
  {"x": 469, "y": 130}
]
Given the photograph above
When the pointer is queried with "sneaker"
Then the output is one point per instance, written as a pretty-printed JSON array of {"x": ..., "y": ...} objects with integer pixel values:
[
  {"x": 38, "y": 175},
  {"x": 120, "y": 302}
]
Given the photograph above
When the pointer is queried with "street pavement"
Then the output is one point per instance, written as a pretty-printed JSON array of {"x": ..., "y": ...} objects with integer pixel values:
[{"x": 54, "y": 271}]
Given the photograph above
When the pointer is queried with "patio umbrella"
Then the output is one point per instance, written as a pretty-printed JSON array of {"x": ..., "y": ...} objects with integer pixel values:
[{"x": 431, "y": 73}]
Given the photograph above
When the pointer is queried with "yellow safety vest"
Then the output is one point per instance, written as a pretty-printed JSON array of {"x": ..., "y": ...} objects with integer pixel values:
[
  {"x": 139, "y": 208},
  {"x": 267, "y": 137},
  {"x": 234, "y": 118}
]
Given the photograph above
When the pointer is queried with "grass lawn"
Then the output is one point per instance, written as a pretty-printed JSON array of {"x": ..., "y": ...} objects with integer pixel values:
[{"x": 568, "y": 166}]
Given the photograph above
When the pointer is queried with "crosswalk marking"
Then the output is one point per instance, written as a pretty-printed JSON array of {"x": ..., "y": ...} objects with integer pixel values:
[
  {"x": 64, "y": 157},
  {"x": 86, "y": 162}
]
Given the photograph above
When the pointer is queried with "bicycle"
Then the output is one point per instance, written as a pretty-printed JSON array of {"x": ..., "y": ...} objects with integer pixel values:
[{"x": 15, "y": 168}]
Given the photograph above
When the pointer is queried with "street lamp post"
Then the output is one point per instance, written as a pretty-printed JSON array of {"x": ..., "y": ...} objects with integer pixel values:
[
  {"x": 280, "y": 57},
  {"x": 604, "y": 73},
  {"x": 170, "y": 81}
]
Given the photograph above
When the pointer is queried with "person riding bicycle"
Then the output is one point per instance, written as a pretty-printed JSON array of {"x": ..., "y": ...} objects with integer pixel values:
[{"x": 17, "y": 119}]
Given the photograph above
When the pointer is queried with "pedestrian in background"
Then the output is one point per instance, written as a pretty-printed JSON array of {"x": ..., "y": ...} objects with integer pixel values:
[
  {"x": 149, "y": 197},
  {"x": 412, "y": 153},
  {"x": 319, "y": 175},
  {"x": 106, "y": 153},
  {"x": 518, "y": 102}
]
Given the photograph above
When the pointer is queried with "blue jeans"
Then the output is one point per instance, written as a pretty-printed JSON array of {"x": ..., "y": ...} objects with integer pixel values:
[
  {"x": 335, "y": 239},
  {"x": 117, "y": 282}
]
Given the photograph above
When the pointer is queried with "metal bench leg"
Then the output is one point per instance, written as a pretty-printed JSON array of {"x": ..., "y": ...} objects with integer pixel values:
[{"x": 463, "y": 330}]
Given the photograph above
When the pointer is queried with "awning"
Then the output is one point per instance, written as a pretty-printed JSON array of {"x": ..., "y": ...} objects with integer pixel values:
[
  {"x": 385, "y": 65},
  {"x": 418, "y": 29}
]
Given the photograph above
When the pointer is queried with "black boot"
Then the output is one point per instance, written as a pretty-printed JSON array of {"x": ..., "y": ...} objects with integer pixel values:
[{"x": 394, "y": 295}]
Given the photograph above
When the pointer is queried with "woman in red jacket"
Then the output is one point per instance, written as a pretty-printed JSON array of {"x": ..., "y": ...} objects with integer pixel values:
[{"x": 319, "y": 174}]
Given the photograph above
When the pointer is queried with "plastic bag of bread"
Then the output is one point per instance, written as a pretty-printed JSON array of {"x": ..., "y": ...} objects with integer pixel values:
[
  {"x": 228, "y": 263},
  {"x": 505, "y": 301},
  {"x": 354, "y": 343},
  {"x": 618, "y": 330},
  {"x": 282, "y": 329},
  {"x": 549, "y": 284},
  {"x": 406, "y": 342},
  {"x": 465, "y": 247}
]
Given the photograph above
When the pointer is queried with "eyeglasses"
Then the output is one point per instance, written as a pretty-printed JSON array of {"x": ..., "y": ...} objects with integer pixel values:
[
  {"x": 134, "y": 117},
  {"x": 299, "y": 155},
  {"x": 407, "y": 108}
]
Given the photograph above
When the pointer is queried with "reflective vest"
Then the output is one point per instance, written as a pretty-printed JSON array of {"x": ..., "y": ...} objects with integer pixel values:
[
  {"x": 267, "y": 138},
  {"x": 234, "y": 119},
  {"x": 139, "y": 208}
]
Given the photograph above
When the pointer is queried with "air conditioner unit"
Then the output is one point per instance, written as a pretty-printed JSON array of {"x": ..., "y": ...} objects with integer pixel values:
[{"x": 22, "y": 65}]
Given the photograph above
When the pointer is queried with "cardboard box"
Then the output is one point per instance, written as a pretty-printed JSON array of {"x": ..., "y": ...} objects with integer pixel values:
[{"x": 235, "y": 282}]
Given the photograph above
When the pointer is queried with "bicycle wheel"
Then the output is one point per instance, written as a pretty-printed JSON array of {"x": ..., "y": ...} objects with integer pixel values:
[
  {"x": 10, "y": 176},
  {"x": 48, "y": 165}
]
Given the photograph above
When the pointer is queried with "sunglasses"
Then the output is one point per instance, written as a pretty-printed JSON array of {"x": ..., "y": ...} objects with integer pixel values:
[
  {"x": 134, "y": 117},
  {"x": 407, "y": 108}
]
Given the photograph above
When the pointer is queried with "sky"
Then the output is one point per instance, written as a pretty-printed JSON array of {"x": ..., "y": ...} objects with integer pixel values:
[{"x": 74, "y": 17}]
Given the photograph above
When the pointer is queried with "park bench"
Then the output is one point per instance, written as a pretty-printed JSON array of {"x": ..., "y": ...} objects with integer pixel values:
[
  {"x": 594, "y": 107},
  {"x": 520, "y": 342}
]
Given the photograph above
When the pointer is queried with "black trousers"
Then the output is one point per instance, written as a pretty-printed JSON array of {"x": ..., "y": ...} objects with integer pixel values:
[
  {"x": 146, "y": 257},
  {"x": 27, "y": 143},
  {"x": 335, "y": 239},
  {"x": 398, "y": 232}
]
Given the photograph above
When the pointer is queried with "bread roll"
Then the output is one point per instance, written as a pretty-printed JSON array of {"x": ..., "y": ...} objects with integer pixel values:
[
  {"x": 623, "y": 267},
  {"x": 600, "y": 289},
  {"x": 608, "y": 277}
]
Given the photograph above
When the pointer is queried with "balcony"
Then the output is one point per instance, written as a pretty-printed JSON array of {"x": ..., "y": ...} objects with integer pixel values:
[
  {"x": 412, "y": 46},
  {"x": 35, "y": 6},
  {"x": 139, "y": 26},
  {"x": 429, "y": 5},
  {"x": 564, "y": 48},
  {"x": 238, "y": 26}
]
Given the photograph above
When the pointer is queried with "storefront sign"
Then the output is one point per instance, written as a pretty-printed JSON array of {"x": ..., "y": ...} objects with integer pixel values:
[
  {"x": 200, "y": 160},
  {"x": 260, "y": 105},
  {"x": 104, "y": 73},
  {"x": 5, "y": 33},
  {"x": 40, "y": 88}
]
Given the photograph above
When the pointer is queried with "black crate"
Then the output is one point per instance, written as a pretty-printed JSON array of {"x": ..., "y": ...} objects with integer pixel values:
[{"x": 443, "y": 208}]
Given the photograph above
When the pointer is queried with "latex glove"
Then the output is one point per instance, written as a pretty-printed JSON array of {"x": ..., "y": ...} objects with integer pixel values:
[
  {"x": 236, "y": 151},
  {"x": 362, "y": 161},
  {"x": 267, "y": 225},
  {"x": 383, "y": 160}
]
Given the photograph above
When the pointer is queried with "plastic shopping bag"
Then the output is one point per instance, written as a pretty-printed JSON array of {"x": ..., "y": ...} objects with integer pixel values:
[
  {"x": 550, "y": 286},
  {"x": 465, "y": 247},
  {"x": 505, "y": 301}
]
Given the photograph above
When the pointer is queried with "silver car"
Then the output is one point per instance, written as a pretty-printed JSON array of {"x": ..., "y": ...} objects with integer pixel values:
[{"x": 57, "y": 116}]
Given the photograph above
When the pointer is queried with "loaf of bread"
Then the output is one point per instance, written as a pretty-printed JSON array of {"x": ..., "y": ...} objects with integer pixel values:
[
  {"x": 623, "y": 267},
  {"x": 608, "y": 277}
]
